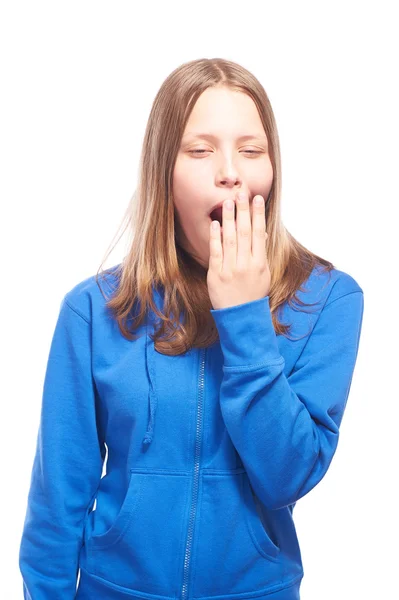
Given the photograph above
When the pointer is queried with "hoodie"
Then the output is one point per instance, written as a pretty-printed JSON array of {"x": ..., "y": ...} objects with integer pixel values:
[{"x": 206, "y": 453}]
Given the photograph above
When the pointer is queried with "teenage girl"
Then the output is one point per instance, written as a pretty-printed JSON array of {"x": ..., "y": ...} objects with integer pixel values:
[{"x": 211, "y": 369}]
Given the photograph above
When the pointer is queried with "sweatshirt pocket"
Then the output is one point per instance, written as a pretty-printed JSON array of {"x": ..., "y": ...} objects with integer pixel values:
[
  {"x": 143, "y": 547},
  {"x": 233, "y": 547},
  {"x": 110, "y": 537},
  {"x": 259, "y": 527}
]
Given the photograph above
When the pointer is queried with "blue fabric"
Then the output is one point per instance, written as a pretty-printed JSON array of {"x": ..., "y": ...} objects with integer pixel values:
[{"x": 177, "y": 476}]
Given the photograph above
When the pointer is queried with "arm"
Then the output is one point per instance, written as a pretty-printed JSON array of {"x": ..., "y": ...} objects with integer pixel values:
[
  {"x": 286, "y": 429},
  {"x": 67, "y": 466}
]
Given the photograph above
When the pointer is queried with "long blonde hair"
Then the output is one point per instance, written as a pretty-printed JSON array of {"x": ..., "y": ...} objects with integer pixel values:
[{"x": 155, "y": 257}]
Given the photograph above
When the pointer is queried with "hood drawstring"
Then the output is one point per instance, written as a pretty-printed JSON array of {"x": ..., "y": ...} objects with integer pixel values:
[{"x": 152, "y": 395}]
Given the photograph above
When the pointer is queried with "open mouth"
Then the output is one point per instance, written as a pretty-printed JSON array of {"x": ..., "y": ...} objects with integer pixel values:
[{"x": 217, "y": 215}]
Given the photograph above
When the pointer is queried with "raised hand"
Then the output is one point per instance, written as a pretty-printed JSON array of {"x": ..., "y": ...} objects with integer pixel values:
[{"x": 238, "y": 268}]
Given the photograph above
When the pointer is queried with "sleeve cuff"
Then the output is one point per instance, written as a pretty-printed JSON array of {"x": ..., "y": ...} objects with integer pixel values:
[{"x": 247, "y": 335}]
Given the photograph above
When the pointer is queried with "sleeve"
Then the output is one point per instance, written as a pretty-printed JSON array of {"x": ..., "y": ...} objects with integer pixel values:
[
  {"x": 67, "y": 465},
  {"x": 286, "y": 428}
]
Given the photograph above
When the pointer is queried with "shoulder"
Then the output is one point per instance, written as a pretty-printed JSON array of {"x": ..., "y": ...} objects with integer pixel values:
[
  {"x": 89, "y": 295},
  {"x": 326, "y": 286},
  {"x": 316, "y": 295}
]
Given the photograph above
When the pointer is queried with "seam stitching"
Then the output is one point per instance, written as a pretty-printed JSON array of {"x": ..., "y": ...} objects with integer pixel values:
[
  {"x": 75, "y": 310},
  {"x": 256, "y": 366},
  {"x": 343, "y": 296}
]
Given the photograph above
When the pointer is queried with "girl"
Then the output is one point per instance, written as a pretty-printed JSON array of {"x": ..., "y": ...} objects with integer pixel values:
[{"x": 215, "y": 393}]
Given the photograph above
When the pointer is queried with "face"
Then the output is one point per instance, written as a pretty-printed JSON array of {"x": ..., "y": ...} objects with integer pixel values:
[{"x": 224, "y": 150}]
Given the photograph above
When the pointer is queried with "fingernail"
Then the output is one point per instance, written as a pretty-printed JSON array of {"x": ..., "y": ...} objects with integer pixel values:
[
  {"x": 229, "y": 204},
  {"x": 241, "y": 196}
]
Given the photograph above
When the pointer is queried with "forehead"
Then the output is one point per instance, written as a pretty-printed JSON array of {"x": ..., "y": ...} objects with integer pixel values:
[
  {"x": 206, "y": 135},
  {"x": 221, "y": 113}
]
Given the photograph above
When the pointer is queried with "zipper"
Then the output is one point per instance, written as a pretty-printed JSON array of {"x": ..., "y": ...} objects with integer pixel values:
[{"x": 193, "y": 510}]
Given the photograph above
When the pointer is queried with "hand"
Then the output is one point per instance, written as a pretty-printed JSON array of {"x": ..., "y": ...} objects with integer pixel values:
[{"x": 238, "y": 269}]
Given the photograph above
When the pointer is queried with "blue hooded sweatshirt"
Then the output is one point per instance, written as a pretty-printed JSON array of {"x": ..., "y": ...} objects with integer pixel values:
[{"x": 207, "y": 451}]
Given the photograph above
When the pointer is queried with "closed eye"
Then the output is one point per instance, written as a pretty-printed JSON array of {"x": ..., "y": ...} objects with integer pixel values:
[{"x": 201, "y": 151}]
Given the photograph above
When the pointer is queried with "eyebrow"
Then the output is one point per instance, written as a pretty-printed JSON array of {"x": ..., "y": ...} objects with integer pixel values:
[{"x": 214, "y": 137}]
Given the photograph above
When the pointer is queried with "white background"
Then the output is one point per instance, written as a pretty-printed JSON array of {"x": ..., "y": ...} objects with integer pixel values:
[{"x": 78, "y": 80}]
